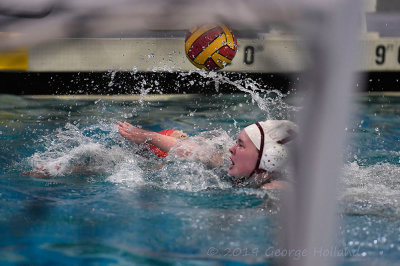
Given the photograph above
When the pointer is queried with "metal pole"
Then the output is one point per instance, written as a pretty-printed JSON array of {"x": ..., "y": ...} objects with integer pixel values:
[{"x": 331, "y": 30}]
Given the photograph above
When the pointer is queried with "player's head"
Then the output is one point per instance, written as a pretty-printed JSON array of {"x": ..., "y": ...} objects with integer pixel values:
[{"x": 261, "y": 147}]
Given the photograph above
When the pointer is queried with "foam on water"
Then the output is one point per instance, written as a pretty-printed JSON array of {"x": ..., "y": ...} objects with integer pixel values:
[
  {"x": 68, "y": 148},
  {"x": 127, "y": 173},
  {"x": 371, "y": 189}
]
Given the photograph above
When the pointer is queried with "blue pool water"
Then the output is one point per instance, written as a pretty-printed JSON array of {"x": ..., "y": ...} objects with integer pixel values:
[{"x": 133, "y": 208}]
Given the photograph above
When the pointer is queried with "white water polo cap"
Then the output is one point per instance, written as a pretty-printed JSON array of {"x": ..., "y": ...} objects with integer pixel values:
[{"x": 270, "y": 138}]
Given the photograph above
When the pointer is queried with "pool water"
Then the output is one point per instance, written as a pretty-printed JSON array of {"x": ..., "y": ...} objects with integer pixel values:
[{"x": 130, "y": 207}]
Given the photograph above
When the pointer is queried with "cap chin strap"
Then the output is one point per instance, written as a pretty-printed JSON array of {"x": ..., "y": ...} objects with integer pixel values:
[
  {"x": 260, "y": 152},
  {"x": 256, "y": 171}
]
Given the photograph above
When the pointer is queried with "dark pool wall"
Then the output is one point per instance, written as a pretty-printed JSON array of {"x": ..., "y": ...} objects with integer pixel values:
[{"x": 24, "y": 83}]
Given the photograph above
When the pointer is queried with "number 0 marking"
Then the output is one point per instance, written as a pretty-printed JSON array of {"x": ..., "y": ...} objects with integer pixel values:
[
  {"x": 398, "y": 55},
  {"x": 248, "y": 55}
]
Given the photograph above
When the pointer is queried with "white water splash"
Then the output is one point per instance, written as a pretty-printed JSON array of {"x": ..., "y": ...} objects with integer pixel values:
[
  {"x": 272, "y": 102},
  {"x": 373, "y": 188},
  {"x": 71, "y": 148},
  {"x": 189, "y": 173},
  {"x": 69, "y": 151},
  {"x": 127, "y": 173}
]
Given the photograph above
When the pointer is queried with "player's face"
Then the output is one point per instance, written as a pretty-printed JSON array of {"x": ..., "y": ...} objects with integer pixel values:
[{"x": 244, "y": 155}]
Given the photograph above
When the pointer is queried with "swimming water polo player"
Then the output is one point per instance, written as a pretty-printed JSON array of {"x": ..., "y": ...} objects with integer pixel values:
[{"x": 257, "y": 159}]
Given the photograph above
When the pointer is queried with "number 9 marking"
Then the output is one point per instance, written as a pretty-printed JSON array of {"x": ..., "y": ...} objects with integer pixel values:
[{"x": 380, "y": 53}]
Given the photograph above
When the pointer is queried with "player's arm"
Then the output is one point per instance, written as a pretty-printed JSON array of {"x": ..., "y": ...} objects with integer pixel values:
[
  {"x": 139, "y": 136},
  {"x": 183, "y": 149}
]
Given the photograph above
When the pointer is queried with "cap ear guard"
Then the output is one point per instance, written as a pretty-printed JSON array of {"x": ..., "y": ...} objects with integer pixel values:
[
  {"x": 270, "y": 138},
  {"x": 274, "y": 157}
]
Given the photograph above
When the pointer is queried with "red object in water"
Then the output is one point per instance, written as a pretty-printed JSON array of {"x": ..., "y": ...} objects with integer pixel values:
[{"x": 157, "y": 151}]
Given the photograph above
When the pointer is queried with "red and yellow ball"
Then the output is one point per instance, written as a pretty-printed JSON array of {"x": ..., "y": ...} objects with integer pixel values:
[{"x": 211, "y": 46}]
